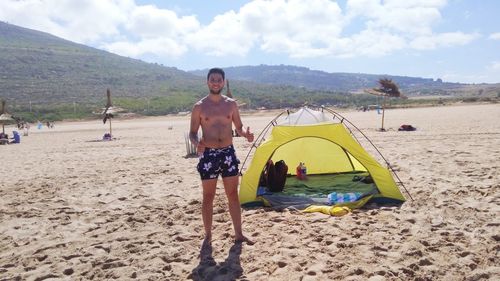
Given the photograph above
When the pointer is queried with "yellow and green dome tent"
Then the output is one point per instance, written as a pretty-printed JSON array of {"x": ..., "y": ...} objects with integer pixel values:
[{"x": 327, "y": 147}]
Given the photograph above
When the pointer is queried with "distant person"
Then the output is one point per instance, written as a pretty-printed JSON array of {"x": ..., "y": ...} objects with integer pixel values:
[
  {"x": 215, "y": 114},
  {"x": 26, "y": 129},
  {"x": 16, "y": 138},
  {"x": 4, "y": 138}
]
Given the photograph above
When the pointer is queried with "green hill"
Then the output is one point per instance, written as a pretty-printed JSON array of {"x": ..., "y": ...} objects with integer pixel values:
[
  {"x": 43, "y": 68},
  {"x": 51, "y": 74},
  {"x": 49, "y": 78},
  {"x": 54, "y": 78}
]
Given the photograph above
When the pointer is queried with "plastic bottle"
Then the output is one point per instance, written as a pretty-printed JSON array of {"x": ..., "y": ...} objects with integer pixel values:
[
  {"x": 337, "y": 197},
  {"x": 304, "y": 171},
  {"x": 298, "y": 170}
]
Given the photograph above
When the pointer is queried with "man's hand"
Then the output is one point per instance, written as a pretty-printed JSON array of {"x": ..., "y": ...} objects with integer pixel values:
[
  {"x": 200, "y": 148},
  {"x": 249, "y": 135}
]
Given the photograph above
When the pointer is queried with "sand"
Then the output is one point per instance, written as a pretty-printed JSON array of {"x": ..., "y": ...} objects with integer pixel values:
[{"x": 74, "y": 208}]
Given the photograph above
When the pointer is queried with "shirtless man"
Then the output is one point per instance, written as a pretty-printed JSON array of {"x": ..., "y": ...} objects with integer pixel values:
[{"x": 216, "y": 113}]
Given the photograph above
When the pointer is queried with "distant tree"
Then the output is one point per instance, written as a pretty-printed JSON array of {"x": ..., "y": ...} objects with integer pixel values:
[{"x": 387, "y": 89}]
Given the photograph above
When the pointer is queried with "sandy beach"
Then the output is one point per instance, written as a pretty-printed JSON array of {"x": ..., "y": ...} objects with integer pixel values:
[{"x": 75, "y": 208}]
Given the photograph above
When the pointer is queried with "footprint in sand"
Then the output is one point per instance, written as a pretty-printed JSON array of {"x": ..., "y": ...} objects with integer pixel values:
[
  {"x": 255, "y": 234},
  {"x": 408, "y": 272},
  {"x": 415, "y": 253},
  {"x": 182, "y": 238},
  {"x": 48, "y": 276},
  {"x": 356, "y": 271},
  {"x": 281, "y": 264},
  {"x": 424, "y": 262},
  {"x": 311, "y": 273}
]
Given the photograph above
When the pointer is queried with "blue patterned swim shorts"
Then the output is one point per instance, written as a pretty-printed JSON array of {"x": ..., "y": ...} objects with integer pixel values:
[{"x": 216, "y": 161}]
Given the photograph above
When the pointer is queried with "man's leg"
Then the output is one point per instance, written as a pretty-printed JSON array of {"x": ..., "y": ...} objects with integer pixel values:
[
  {"x": 209, "y": 188},
  {"x": 231, "y": 189}
]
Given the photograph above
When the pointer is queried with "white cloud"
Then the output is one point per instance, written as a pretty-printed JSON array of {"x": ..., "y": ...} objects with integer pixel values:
[
  {"x": 375, "y": 43},
  {"x": 224, "y": 36},
  {"x": 84, "y": 22},
  {"x": 414, "y": 17},
  {"x": 163, "y": 47},
  {"x": 119, "y": 26},
  {"x": 495, "y": 36},
  {"x": 297, "y": 28},
  {"x": 155, "y": 32},
  {"x": 442, "y": 40},
  {"x": 495, "y": 65},
  {"x": 149, "y": 21}
]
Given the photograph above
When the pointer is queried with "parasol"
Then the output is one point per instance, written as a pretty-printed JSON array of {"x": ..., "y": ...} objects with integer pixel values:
[
  {"x": 109, "y": 111},
  {"x": 230, "y": 94},
  {"x": 4, "y": 117},
  {"x": 228, "y": 91}
]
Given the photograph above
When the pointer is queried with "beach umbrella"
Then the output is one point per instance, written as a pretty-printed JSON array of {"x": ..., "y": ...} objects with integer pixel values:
[
  {"x": 109, "y": 111},
  {"x": 230, "y": 94},
  {"x": 387, "y": 89},
  {"x": 4, "y": 116},
  {"x": 228, "y": 91}
]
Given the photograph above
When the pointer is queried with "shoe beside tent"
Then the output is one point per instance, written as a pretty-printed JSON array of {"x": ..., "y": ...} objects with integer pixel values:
[{"x": 327, "y": 148}]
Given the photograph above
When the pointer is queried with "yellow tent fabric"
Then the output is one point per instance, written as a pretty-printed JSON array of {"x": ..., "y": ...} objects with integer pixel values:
[{"x": 325, "y": 148}]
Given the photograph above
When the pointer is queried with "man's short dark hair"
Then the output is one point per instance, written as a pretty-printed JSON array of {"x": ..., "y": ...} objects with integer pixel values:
[{"x": 216, "y": 70}]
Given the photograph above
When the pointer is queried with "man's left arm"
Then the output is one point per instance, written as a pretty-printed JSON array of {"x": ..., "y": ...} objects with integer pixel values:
[{"x": 239, "y": 125}]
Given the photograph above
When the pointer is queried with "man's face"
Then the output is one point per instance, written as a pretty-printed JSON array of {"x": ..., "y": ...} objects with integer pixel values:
[{"x": 215, "y": 83}]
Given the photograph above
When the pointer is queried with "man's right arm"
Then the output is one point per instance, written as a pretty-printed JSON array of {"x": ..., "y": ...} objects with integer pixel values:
[{"x": 195, "y": 125}]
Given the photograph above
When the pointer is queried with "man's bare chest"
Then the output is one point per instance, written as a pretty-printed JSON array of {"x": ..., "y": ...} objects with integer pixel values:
[{"x": 216, "y": 114}]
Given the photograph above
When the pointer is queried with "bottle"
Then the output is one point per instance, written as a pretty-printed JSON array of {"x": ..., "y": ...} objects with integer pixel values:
[
  {"x": 337, "y": 197},
  {"x": 298, "y": 170},
  {"x": 304, "y": 171}
]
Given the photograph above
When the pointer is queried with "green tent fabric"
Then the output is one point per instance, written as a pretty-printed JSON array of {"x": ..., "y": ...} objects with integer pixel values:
[{"x": 324, "y": 146}]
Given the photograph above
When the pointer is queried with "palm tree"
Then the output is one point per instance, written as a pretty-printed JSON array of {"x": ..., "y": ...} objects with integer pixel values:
[{"x": 387, "y": 89}]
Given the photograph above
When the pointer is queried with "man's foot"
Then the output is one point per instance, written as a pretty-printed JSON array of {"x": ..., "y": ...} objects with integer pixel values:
[
  {"x": 206, "y": 253},
  {"x": 243, "y": 239},
  {"x": 207, "y": 241}
]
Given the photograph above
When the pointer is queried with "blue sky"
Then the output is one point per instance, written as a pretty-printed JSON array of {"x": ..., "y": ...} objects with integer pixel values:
[{"x": 455, "y": 40}]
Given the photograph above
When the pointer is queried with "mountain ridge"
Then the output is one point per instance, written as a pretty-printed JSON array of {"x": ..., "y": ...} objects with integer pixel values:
[
  {"x": 44, "y": 69},
  {"x": 300, "y": 76}
]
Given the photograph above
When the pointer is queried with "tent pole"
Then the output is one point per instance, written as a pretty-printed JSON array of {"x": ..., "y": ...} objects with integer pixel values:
[
  {"x": 373, "y": 145},
  {"x": 260, "y": 138},
  {"x": 383, "y": 114}
]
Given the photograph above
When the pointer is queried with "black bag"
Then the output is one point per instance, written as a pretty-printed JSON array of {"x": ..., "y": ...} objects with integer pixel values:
[{"x": 274, "y": 176}]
